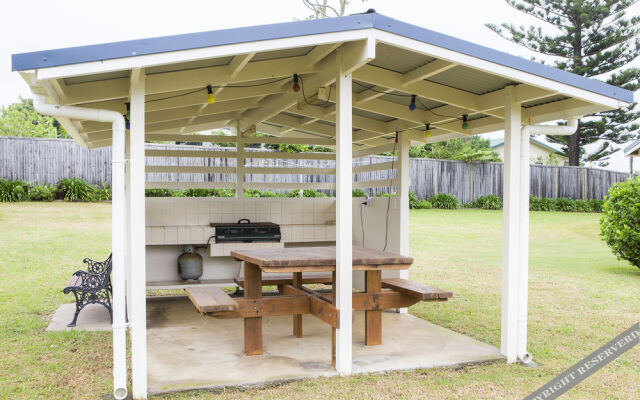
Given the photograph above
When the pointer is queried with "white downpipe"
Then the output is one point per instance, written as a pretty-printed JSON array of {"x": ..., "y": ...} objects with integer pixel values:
[
  {"x": 523, "y": 262},
  {"x": 117, "y": 227}
]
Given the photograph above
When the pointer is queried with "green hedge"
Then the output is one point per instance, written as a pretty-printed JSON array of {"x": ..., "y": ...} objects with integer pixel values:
[
  {"x": 620, "y": 223},
  {"x": 76, "y": 189},
  {"x": 68, "y": 189}
]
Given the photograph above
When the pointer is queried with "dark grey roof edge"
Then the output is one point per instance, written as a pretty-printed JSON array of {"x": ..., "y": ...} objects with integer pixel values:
[
  {"x": 508, "y": 60},
  {"x": 163, "y": 44},
  {"x": 98, "y": 52},
  {"x": 631, "y": 146}
]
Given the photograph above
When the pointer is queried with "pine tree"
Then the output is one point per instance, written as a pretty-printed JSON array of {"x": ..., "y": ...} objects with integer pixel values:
[{"x": 592, "y": 38}]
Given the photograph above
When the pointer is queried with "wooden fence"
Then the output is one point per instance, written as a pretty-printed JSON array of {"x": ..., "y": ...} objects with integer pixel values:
[{"x": 49, "y": 160}]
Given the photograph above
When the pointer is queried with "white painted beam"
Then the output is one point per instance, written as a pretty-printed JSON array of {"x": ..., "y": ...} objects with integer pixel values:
[{"x": 426, "y": 71}]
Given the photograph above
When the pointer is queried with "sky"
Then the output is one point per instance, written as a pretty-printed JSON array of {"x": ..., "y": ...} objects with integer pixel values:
[{"x": 45, "y": 24}]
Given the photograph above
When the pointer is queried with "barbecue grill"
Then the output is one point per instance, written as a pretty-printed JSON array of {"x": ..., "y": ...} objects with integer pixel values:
[{"x": 246, "y": 231}]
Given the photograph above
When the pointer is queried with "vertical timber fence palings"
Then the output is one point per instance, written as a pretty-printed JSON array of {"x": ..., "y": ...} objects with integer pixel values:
[{"x": 46, "y": 160}]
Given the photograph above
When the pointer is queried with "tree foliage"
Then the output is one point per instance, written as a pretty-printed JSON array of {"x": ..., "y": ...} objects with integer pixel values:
[
  {"x": 463, "y": 149},
  {"x": 591, "y": 38},
  {"x": 326, "y": 8},
  {"x": 21, "y": 119}
]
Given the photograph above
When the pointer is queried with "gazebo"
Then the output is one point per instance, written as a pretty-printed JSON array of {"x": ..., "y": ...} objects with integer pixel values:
[{"x": 364, "y": 84}]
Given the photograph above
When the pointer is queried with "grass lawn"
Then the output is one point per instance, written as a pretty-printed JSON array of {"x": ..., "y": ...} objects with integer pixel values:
[{"x": 580, "y": 297}]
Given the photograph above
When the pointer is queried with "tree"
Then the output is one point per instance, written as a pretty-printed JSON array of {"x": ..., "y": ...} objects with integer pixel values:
[
  {"x": 323, "y": 8},
  {"x": 463, "y": 149},
  {"x": 592, "y": 38},
  {"x": 21, "y": 119}
]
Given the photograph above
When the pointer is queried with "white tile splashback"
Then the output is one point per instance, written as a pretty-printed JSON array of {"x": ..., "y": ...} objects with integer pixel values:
[{"x": 185, "y": 220}]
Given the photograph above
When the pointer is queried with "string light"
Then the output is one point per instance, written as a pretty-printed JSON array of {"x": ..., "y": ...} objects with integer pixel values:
[
  {"x": 412, "y": 105},
  {"x": 296, "y": 85},
  {"x": 427, "y": 130},
  {"x": 210, "y": 98},
  {"x": 465, "y": 124}
]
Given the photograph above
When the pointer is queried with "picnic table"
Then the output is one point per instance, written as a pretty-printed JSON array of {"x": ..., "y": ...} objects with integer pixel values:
[{"x": 295, "y": 299}]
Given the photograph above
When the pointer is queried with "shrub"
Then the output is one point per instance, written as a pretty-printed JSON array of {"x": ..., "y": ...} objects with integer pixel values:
[
  {"x": 488, "y": 202},
  {"x": 258, "y": 193},
  {"x": 293, "y": 193},
  {"x": 423, "y": 205},
  {"x": 157, "y": 192},
  {"x": 541, "y": 204},
  {"x": 413, "y": 200},
  {"x": 620, "y": 222},
  {"x": 251, "y": 193},
  {"x": 583, "y": 206},
  {"x": 312, "y": 193},
  {"x": 102, "y": 192},
  {"x": 269, "y": 193},
  {"x": 444, "y": 200},
  {"x": 42, "y": 192},
  {"x": 222, "y": 192},
  {"x": 565, "y": 204},
  {"x": 596, "y": 205},
  {"x": 11, "y": 191},
  {"x": 75, "y": 189},
  {"x": 196, "y": 193},
  {"x": 382, "y": 194},
  {"x": 358, "y": 193}
]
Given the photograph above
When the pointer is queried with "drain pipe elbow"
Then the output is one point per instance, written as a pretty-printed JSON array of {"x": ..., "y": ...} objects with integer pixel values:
[{"x": 120, "y": 390}]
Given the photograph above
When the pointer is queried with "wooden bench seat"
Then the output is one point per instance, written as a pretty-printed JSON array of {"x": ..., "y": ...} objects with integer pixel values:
[
  {"x": 284, "y": 280},
  {"x": 415, "y": 289},
  {"x": 211, "y": 299}
]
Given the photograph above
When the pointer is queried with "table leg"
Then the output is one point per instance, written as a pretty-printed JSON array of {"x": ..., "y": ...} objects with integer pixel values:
[
  {"x": 373, "y": 319},
  {"x": 297, "y": 318},
  {"x": 253, "y": 325},
  {"x": 333, "y": 330}
]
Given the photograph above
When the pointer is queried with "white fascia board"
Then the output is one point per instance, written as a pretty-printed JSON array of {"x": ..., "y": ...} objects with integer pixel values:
[
  {"x": 607, "y": 103},
  {"x": 150, "y": 60}
]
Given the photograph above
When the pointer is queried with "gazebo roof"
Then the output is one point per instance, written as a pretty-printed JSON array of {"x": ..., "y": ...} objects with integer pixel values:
[{"x": 251, "y": 71}]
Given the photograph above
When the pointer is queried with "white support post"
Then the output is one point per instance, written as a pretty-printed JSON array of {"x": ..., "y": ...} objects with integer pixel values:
[
  {"x": 138, "y": 317},
  {"x": 127, "y": 226},
  {"x": 239, "y": 160},
  {"x": 523, "y": 257},
  {"x": 510, "y": 228},
  {"x": 344, "y": 222},
  {"x": 404, "y": 182}
]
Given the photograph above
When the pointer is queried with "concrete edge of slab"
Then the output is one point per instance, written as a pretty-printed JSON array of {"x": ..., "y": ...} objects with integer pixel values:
[{"x": 264, "y": 385}]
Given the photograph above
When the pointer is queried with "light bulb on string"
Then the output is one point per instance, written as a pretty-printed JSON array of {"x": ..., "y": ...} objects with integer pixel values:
[
  {"x": 127, "y": 124},
  {"x": 210, "y": 97},
  {"x": 465, "y": 123},
  {"x": 296, "y": 84},
  {"x": 427, "y": 130},
  {"x": 412, "y": 105}
]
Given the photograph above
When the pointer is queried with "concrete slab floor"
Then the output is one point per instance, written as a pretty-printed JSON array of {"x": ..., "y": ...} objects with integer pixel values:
[
  {"x": 94, "y": 317},
  {"x": 189, "y": 351}
]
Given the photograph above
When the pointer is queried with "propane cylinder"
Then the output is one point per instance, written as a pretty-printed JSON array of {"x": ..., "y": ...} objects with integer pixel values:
[{"x": 190, "y": 264}]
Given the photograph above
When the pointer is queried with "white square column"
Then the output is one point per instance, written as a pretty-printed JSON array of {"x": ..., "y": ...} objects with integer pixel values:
[
  {"x": 138, "y": 316},
  {"x": 511, "y": 226},
  {"x": 240, "y": 154},
  {"x": 344, "y": 221}
]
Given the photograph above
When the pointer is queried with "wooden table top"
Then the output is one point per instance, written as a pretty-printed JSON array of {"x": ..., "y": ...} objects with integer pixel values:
[{"x": 320, "y": 258}]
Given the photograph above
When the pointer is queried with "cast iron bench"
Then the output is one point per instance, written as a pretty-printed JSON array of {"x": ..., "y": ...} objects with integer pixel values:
[{"x": 92, "y": 286}]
